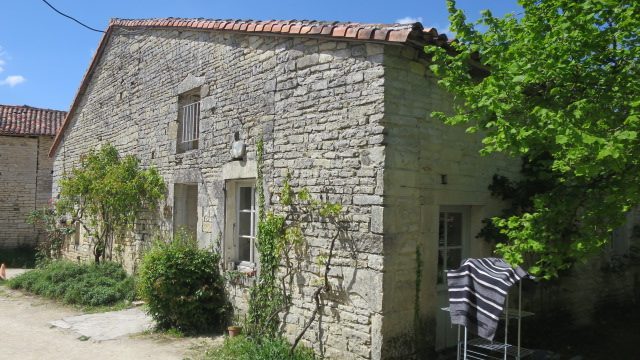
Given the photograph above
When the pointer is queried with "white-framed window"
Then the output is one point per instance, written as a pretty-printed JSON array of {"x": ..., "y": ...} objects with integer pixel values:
[
  {"x": 241, "y": 225},
  {"x": 188, "y": 121},
  {"x": 451, "y": 240},
  {"x": 246, "y": 222}
]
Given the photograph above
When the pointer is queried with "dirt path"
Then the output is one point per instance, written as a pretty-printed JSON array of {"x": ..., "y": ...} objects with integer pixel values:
[{"x": 25, "y": 333}]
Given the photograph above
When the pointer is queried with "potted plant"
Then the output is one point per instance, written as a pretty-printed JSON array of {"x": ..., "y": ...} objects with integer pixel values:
[{"x": 234, "y": 330}]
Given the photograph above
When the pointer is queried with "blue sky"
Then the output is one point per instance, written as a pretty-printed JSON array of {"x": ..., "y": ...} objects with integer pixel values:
[{"x": 43, "y": 56}]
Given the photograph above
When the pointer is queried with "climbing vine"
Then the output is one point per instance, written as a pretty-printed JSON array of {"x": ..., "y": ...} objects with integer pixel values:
[
  {"x": 419, "y": 328},
  {"x": 280, "y": 243}
]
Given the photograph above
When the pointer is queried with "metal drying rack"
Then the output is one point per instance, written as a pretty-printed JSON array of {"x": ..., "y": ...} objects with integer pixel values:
[{"x": 481, "y": 349}]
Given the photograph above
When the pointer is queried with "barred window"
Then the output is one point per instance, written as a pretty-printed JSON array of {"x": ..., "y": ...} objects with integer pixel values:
[{"x": 188, "y": 122}]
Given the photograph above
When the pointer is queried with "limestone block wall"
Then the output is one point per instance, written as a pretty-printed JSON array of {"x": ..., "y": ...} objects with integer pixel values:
[
  {"x": 25, "y": 185},
  {"x": 420, "y": 151},
  {"x": 318, "y": 106}
]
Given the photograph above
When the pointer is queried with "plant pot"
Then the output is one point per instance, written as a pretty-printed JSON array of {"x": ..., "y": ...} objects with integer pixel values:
[{"x": 234, "y": 330}]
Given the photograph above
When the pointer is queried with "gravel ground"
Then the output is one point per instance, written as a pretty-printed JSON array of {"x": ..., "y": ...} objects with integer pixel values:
[{"x": 26, "y": 332}]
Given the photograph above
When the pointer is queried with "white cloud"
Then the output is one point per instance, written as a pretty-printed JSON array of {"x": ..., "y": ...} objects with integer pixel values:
[
  {"x": 13, "y": 80},
  {"x": 409, "y": 20}
]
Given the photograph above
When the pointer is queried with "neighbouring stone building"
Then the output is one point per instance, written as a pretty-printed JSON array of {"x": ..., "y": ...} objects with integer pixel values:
[
  {"x": 344, "y": 108},
  {"x": 26, "y": 135}
]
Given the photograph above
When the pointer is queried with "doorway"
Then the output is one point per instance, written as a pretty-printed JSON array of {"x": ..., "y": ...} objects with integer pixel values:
[
  {"x": 453, "y": 247},
  {"x": 185, "y": 209}
]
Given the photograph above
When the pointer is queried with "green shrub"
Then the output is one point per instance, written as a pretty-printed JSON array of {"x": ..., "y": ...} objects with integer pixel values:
[
  {"x": 242, "y": 348},
  {"x": 183, "y": 287},
  {"x": 82, "y": 284}
]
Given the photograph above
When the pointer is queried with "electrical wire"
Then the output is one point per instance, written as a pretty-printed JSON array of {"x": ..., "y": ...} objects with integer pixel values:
[{"x": 70, "y": 17}]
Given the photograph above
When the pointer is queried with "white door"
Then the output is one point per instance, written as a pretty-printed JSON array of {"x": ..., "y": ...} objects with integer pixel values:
[{"x": 453, "y": 247}]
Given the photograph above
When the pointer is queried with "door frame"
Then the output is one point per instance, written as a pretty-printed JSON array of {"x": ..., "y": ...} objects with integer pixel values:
[{"x": 446, "y": 335}]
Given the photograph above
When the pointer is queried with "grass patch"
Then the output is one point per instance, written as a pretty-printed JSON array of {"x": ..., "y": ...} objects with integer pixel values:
[
  {"x": 86, "y": 285},
  {"x": 243, "y": 348},
  {"x": 21, "y": 257}
]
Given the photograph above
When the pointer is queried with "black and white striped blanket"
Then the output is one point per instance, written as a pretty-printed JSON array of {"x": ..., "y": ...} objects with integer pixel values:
[{"x": 477, "y": 290}]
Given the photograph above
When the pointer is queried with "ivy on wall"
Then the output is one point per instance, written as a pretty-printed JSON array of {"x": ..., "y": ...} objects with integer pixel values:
[{"x": 281, "y": 245}]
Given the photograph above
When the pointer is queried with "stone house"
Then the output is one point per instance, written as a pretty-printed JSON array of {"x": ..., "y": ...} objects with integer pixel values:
[
  {"x": 344, "y": 108},
  {"x": 26, "y": 135}
]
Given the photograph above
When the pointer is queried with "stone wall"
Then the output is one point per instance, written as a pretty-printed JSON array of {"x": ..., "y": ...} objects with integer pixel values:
[
  {"x": 420, "y": 151},
  {"x": 25, "y": 185},
  {"x": 316, "y": 103}
]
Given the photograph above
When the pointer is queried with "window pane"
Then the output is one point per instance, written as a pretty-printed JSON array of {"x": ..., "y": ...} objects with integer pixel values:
[
  {"x": 245, "y": 198},
  {"x": 454, "y": 229},
  {"x": 244, "y": 224},
  {"x": 244, "y": 249},
  {"x": 454, "y": 258}
]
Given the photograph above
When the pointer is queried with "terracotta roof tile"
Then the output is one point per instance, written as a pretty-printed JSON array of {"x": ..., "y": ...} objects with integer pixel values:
[
  {"x": 380, "y": 34},
  {"x": 339, "y": 31},
  {"x": 364, "y": 34},
  {"x": 398, "y": 35},
  {"x": 326, "y": 30},
  {"x": 361, "y": 31},
  {"x": 26, "y": 120}
]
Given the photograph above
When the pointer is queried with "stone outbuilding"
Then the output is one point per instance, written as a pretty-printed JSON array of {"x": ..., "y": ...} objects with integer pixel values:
[
  {"x": 26, "y": 135},
  {"x": 345, "y": 109}
]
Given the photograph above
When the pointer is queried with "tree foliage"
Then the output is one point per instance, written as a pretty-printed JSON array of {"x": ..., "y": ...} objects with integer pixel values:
[
  {"x": 106, "y": 193},
  {"x": 557, "y": 83},
  {"x": 50, "y": 245}
]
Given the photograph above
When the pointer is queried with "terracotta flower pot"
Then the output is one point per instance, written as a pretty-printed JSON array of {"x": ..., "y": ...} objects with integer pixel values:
[{"x": 234, "y": 330}]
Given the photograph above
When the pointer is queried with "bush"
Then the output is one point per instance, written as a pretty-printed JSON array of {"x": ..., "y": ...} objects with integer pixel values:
[
  {"x": 183, "y": 287},
  {"x": 82, "y": 284},
  {"x": 242, "y": 348}
]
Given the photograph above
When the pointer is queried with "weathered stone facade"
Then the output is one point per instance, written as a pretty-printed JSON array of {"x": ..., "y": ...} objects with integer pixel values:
[
  {"x": 347, "y": 119},
  {"x": 26, "y": 135},
  {"x": 317, "y": 104},
  {"x": 25, "y": 185}
]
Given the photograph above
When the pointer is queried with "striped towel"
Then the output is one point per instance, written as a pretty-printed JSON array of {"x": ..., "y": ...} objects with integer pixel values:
[{"x": 477, "y": 291}]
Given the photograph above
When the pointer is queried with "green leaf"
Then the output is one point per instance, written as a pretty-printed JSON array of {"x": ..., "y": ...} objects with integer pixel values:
[{"x": 562, "y": 139}]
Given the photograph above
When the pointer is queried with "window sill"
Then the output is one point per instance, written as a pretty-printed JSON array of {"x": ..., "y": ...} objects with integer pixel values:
[
  {"x": 246, "y": 268},
  {"x": 245, "y": 278}
]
